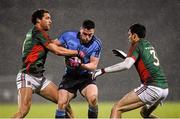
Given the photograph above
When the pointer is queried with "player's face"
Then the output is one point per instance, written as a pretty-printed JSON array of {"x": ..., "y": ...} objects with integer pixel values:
[
  {"x": 131, "y": 37},
  {"x": 86, "y": 35},
  {"x": 46, "y": 21}
]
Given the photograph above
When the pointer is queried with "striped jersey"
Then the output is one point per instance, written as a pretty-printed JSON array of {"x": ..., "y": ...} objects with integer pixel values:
[
  {"x": 147, "y": 64},
  {"x": 34, "y": 51},
  {"x": 71, "y": 40}
]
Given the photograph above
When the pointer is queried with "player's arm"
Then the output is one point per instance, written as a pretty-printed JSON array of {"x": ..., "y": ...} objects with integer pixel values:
[
  {"x": 92, "y": 65},
  {"x": 44, "y": 39},
  {"x": 55, "y": 47},
  {"x": 126, "y": 64},
  {"x": 61, "y": 51}
]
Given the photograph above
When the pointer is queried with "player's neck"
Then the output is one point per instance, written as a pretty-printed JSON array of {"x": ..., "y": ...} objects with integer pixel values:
[{"x": 38, "y": 26}]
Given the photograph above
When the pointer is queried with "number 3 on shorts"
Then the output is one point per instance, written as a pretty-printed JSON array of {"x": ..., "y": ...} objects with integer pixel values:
[{"x": 156, "y": 62}]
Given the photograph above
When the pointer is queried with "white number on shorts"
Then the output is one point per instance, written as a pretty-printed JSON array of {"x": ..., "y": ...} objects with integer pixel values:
[{"x": 156, "y": 63}]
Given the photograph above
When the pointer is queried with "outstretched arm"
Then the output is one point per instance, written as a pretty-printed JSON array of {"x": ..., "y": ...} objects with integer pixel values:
[
  {"x": 126, "y": 64},
  {"x": 59, "y": 50},
  {"x": 55, "y": 47}
]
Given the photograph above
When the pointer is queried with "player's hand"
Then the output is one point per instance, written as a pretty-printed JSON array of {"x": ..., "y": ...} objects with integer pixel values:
[
  {"x": 98, "y": 72},
  {"x": 81, "y": 54},
  {"x": 119, "y": 53},
  {"x": 73, "y": 62}
]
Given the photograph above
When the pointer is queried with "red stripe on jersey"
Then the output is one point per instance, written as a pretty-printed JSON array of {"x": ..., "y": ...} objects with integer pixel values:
[
  {"x": 131, "y": 49},
  {"x": 33, "y": 55},
  {"x": 142, "y": 70}
]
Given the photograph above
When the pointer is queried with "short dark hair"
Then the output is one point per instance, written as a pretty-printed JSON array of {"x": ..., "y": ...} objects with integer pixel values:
[
  {"x": 38, "y": 14},
  {"x": 88, "y": 24},
  {"x": 139, "y": 29}
]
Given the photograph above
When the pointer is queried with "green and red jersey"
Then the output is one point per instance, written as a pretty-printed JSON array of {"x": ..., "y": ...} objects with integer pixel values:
[
  {"x": 34, "y": 51},
  {"x": 147, "y": 64}
]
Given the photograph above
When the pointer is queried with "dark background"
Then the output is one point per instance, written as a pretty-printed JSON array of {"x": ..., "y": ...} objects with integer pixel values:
[{"x": 113, "y": 18}]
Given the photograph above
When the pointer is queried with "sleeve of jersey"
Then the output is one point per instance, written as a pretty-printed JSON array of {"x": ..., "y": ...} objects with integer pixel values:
[
  {"x": 97, "y": 51},
  {"x": 133, "y": 52},
  {"x": 44, "y": 38},
  {"x": 61, "y": 38},
  {"x": 126, "y": 64}
]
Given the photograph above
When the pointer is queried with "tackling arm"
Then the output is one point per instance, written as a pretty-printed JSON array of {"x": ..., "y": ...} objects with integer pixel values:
[
  {"x": 55, "y": 47},
  {"x": 126, "y": 64},
  {"x": 61, "y": 51}
]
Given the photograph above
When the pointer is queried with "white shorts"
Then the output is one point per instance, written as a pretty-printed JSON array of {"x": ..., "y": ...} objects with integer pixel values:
[
  {"x": 26, "y": 80},
  {"x": 151, "y": 95}
]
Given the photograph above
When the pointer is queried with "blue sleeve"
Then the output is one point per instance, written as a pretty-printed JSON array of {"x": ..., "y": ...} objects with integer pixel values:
[
  {"x": 97, "y": 52},
  {"x": 97, "y": 49},
  {"x": 62, "y": 39}
]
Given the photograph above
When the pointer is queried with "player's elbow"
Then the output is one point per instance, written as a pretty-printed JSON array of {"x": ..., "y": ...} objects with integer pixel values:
[
  {"x": 94, "y": 67},
  {"x": 128, "y": 63}
]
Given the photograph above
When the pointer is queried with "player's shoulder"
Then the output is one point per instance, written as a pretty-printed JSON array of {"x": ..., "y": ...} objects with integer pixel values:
[
  {"x": 97, "y": 41},
  {"x": 36, "y": 32},
  {"x": 144, "y": 43}
]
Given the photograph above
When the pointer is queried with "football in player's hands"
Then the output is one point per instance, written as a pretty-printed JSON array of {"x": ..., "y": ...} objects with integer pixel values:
[
  {"x": 73, "y": 62},
  {"x": 81, "y": 54},
  {"x": 119, "y": 53}
]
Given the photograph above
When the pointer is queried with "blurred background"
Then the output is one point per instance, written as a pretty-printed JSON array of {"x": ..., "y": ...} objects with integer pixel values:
[{"x": 112, "y": 18}]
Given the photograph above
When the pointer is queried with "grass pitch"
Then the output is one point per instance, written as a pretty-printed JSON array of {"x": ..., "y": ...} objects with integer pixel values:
[{"x": 43, "y": 110}]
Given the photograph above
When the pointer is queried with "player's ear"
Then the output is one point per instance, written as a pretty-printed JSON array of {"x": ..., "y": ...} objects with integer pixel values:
[
  {"x": 135, "y": 36},
  {"x": 38, "y": 20},
  {"x": 81, "y": 30}
]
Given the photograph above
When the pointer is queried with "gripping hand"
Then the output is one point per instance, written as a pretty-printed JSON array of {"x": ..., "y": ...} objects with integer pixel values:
[
  {"x": 98, "y": 72},
  {"x": 81, "y": 54},
  {"x": 119, "y": 53},
  {"x": 73, "y": 62}
]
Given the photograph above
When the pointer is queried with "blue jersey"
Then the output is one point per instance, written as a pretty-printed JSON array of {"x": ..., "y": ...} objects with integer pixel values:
[{"x": 71, "y": 40}]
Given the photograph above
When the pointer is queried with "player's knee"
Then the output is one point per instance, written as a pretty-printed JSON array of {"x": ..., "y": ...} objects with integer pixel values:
[{"x": 93, "y": 100}]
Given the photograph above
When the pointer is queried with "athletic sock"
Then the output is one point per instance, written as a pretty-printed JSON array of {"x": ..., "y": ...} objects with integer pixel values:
[
  {"x": 60, "y": 114},
  {"x": 93, "y": 112}
]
